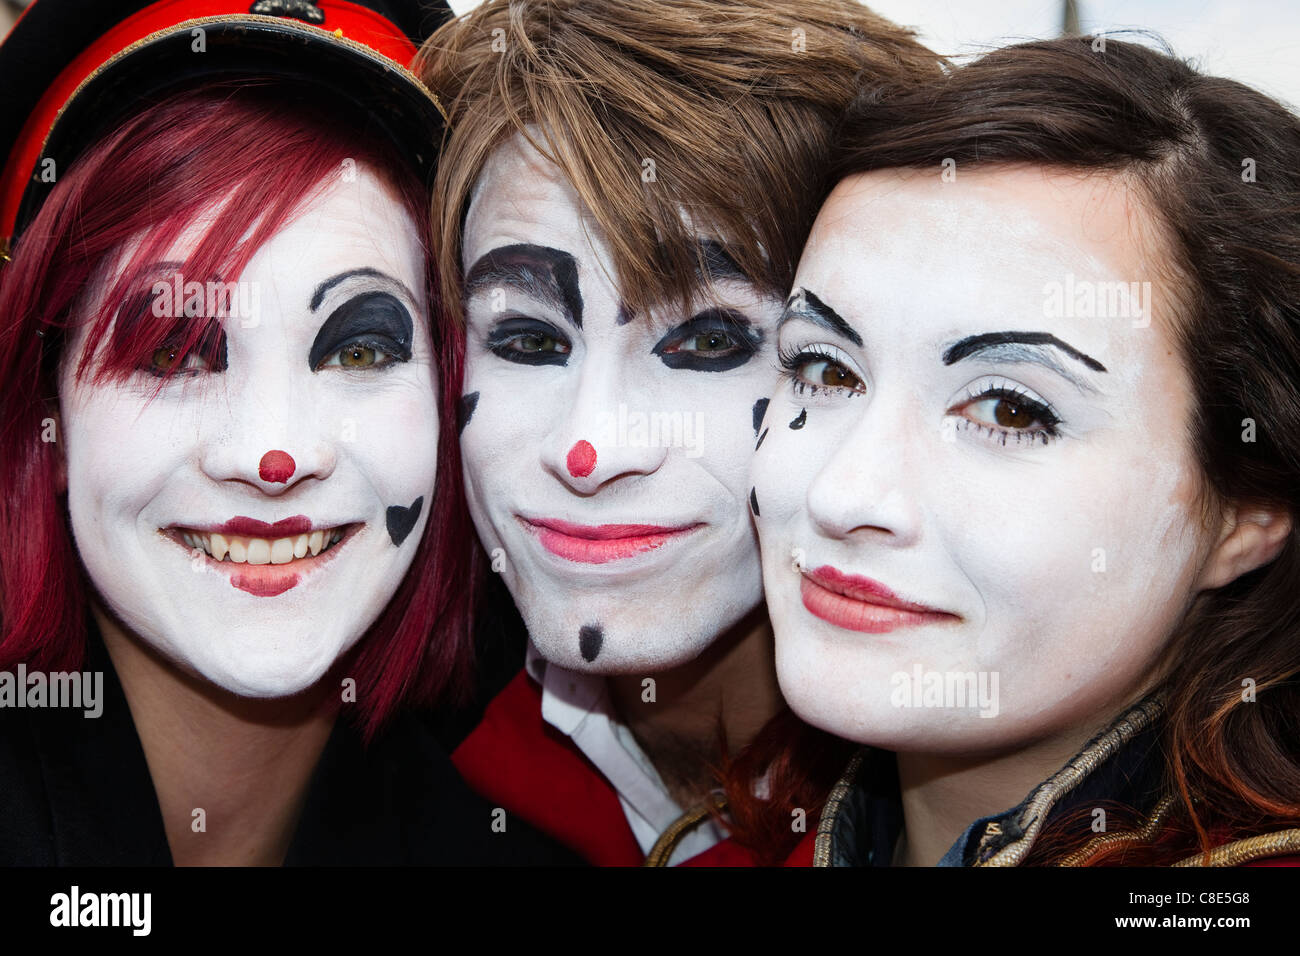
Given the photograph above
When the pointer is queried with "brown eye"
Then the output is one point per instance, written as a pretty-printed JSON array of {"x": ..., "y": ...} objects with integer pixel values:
[
  {"x": 164, "y": 359},
  {"x": 1010, "y": 415},
  {"x": 357, "y": 356},
  {"x": 823, "y": 372},
  {"x": 1009, "y": 410}
]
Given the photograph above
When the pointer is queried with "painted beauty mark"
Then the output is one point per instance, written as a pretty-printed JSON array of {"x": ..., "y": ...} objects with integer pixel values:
[{"x": 590, "y": 639}]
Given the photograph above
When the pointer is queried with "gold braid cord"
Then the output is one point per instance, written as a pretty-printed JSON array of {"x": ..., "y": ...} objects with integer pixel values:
[{"x": 663, "y": 849}]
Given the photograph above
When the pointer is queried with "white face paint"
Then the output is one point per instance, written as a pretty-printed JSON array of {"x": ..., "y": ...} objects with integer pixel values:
[
  {"x": 145, "y": 477},
  {"x": 1040, "y": 512},
  {"x": 606, "y": 460}
]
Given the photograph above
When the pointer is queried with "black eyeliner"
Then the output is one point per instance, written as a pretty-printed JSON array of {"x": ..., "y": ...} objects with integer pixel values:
[
  {"x": 728, "y": 322},
  {"x": 371, "y": 316}
]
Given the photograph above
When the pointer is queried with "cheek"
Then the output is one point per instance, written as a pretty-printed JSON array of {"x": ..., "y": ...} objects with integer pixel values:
[
  {"x": 1082, "y": 564},
  {"x": 395, "y": 442},
  {"x": 120, "y": 452}
]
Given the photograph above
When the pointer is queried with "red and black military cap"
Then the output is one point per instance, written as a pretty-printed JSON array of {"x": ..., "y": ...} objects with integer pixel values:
[{"x": 72, "y": 69}]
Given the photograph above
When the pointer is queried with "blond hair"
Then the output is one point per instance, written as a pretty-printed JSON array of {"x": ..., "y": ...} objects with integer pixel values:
[{"x": 718, "y": 109}]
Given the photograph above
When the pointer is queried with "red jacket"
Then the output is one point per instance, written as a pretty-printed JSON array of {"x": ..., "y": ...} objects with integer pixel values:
[{"x": 524, "y": 765}]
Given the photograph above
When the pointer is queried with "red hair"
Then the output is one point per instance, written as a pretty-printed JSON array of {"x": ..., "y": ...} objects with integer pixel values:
[{"x": 268, "y": 151}]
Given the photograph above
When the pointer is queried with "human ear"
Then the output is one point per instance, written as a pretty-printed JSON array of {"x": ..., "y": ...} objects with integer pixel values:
[{"x": 1251, "y": 537}]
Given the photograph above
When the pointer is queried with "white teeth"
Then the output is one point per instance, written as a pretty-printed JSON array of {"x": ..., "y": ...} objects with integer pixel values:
[{"x": 261, "y": 550}]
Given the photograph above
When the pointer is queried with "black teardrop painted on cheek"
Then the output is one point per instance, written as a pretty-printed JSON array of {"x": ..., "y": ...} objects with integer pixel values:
[
  {"x": 401, "y": 520},
  {"x": 798, "y": 423},
  {"x": 760, "y": 409},
  {"x": 760, "y": 440},
  {"x": 753, "y": 501},
  {"x": 465, "y": 410}
]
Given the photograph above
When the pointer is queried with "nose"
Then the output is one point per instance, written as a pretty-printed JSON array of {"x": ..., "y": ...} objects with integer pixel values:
[
  {"x": 272, "y": 435},
  {"x": 870, "y": 485},
  {"x": 599, "y": 438}
]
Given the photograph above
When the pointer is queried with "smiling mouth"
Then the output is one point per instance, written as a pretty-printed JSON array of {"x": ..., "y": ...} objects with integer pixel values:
[
  {"x": 600, "y": 544},
  {"x": 265, "y": 566},
  {"x": 858, "y": 603}
]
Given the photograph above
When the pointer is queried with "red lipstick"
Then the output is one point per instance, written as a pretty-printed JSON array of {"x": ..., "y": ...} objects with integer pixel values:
[
  {"x": 861, "y": 604},
  {"x": 599, "y": 544},
  {"x": 252, "y": 528}
]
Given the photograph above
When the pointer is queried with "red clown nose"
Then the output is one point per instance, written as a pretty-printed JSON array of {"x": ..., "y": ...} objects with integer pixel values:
[
  {"x": 276, "y": 466},
  {"x": 581, "y": 460}
]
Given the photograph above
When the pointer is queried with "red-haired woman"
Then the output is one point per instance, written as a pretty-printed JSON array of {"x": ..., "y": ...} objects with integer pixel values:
[
  {"x": 230, "y": 513},
  {"x": 1029, "y": 497}
]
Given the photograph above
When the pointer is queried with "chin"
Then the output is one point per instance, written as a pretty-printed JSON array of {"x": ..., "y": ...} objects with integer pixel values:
[
  {"x": 628, "y": 644},
  {"x": 246, "y": 673}
]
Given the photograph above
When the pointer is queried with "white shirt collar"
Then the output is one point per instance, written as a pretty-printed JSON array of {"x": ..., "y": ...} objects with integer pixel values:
[{"x": 578, "y": 706}]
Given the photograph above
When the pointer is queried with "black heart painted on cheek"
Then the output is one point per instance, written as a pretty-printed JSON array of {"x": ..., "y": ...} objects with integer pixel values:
[
  {"x": 402, "y": 520},
  {"x": 465, "y": 410}
]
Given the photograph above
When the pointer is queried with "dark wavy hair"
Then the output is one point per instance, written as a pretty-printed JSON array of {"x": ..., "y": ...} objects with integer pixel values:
[{"x": 1216, "y": 162}]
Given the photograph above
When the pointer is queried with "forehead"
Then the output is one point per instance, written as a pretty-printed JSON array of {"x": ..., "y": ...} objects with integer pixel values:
[
  {"x": 1018, "y": 220},
  {"x": 990, "y": 247},
  {"x": 352, "y": 220},
  {"x": 521, "y": 196}
]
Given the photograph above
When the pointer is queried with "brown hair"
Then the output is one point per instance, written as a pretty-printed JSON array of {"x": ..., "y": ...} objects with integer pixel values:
[
  {"x": 735, "y": 103},
  {"x": 1216, "y": 162}
]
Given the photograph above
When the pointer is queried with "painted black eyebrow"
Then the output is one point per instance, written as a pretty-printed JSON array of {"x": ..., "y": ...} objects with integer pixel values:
[
  {"x": 318, "y": 295},
  {"x": 988, "y": 340},
  {"x": 819, "y": 313},
  {"x": 548, "y": 275}
]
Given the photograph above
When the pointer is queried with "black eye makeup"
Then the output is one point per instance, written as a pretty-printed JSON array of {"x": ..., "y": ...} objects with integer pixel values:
[
  {"x": 715, "y": 340},
  {"x": 1007, "y": 413},
  {"x": 528, "y": 341},
  {"x": 370, "y": 330},
  {"x": 819, "y": 370}
]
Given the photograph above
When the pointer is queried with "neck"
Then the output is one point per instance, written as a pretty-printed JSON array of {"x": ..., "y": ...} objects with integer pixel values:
[
  {"x": 733, "y": 682},
  {"x": 245, "y": 763},
  {"x": 942, "y": 795}
]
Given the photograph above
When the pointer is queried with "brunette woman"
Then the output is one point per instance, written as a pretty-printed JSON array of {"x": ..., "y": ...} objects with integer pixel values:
[{"x": 1029, "y": 491}]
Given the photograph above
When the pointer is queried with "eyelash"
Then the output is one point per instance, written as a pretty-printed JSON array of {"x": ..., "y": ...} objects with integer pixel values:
[
  {"x": 514, "y": 329},
  {"x": 393, "y": 358},
  {"x": 791, "y": 360},
  {"x": 1003, "y": 391}
]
